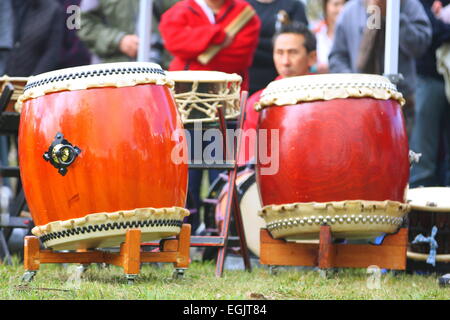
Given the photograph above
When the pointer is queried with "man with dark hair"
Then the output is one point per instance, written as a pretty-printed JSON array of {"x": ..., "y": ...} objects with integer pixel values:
[
  {"x": 294, "y": 53},
  {"x": 272, "y": 13},
  {"x": 294, "y": 50}
]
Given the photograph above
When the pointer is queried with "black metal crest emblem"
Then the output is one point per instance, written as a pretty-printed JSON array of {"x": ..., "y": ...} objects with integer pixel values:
[{"x": 61, "y": 153}]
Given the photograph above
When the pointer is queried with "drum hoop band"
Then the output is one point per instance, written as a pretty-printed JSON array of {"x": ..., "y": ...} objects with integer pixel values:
[
  {"x": 105, "y": 220},
  {"x": 291, "y": 95},
  {"x": 107, "y": 77},
  {"x": 316, "y": 214},
  {"x": 423, "y": 256}
]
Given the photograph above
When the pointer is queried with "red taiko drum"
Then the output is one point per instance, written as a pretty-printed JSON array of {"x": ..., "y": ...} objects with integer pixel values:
[
  {"x": 337, "y": 154},
  {"x": 96, "y": 155}
]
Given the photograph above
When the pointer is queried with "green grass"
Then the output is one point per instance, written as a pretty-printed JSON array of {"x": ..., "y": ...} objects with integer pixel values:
[{"x": 199, "y": 283}]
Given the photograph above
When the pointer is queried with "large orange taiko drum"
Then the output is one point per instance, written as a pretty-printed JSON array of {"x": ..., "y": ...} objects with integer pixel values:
[
  {"x": 339, "y": 156},
  {"x": 96, "y": 155}
]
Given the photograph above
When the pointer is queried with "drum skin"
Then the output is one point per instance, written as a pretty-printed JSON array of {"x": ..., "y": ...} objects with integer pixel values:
[
  {"x": 336, "y": 150},
  {"x": 125, "y": 137}
]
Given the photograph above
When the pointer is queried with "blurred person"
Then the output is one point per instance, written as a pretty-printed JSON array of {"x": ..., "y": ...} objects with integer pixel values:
[
  {"x": 294, "y": 54},
  {"x": 431, "y": 130},
  {"x": 73, "y": 53},
  {"x": 35, "y": 29},
  {"x": 272, "y": 13},
  {"x": 359, "y": 43},
  {"x": 6, "y": 32},
  {"x": 325, "y": 32},
  {"x": 109, "y": 30},
  {"x": 37, "y": 36},
  {"x": 190, "y": 27},
  {"x": 6, "y": 44},
  {"x": 441, "y": 11},
  {"x": 159, "y": 7}
]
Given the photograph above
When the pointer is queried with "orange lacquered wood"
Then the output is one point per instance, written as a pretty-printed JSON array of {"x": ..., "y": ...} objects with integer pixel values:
[
  {"x": 184, "y": 244},
  {"x": 170, "y": 245},
  {"x": 129, "y": 258},
  {"x": 327, "y": 250},
  {"x": 280, "y": 252},
  {"x": 31, "y": 256},
  {"x": 48, "y": 256},
  {"x": 131, "y": 252},
  {"x": 391, "y": 254},
  {"x": 125, "y": 137}
]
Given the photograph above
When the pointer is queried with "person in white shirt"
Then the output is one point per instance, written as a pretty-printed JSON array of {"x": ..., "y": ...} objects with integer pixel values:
[{"x": 325, "y": 32}]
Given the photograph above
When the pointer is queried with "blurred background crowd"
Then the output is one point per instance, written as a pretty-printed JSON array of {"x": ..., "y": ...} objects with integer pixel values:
[{"x": 283, "y": 38}]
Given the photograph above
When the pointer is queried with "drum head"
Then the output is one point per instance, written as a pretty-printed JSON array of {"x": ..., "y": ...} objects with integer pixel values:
[
  {"x": 436, "y": 199},
  {"x": 250, "y": 206}
]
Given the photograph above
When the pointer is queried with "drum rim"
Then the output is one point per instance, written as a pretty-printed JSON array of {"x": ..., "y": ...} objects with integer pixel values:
[
  {"x": 7, "y": 79},
  {"x": 428, "y": 208},
  {"x": 182, "y": 76},
  {"x": 123, "y": 74},
  {"x": 281, "y": 220},
  {"x": 325, "y": 87}
]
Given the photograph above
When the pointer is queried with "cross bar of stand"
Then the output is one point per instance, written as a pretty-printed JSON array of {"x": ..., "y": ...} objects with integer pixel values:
[
  {"x": 391, "y": 254},
  {"x": 130, "y": 257}
]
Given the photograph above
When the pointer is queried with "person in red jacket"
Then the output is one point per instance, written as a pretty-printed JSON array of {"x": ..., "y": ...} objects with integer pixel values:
[
  {"x": 294, "y": 53},
  {"x": 190, "y": 27}
]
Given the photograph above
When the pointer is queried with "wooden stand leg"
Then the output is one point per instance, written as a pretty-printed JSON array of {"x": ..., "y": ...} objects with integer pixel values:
[
  {"x": 326, "y": 248},
  {"x": 31, "y": 258},
  {"x": 31, "y": 254},
  {"x": 131, "y": 253},
  {"x": 391, "y": 254},
  {"x": 184, "y": 244},
  {"x": 183, "y": 251},
  {"x": 175, "y": 251}
]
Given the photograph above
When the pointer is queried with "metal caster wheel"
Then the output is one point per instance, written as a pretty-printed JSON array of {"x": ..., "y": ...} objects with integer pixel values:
[
  {"x": 326, "y": 273},
  {"x": 444, "y": 281},
  {"x": 28, "y": 276},
  {"x": 131, "y": 278},
  {"x": 273, "y": 270},
  {"x": 178, "y": 274},
  {"x": 84, "y": 267}
]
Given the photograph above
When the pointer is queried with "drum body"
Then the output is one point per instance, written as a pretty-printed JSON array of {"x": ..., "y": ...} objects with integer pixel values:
[
  {"x": 430, "y": 207},
  {"x": 200, "y": 93},
  {"x": 123, "y": 174},
  {"x": 338, "y": 153}
]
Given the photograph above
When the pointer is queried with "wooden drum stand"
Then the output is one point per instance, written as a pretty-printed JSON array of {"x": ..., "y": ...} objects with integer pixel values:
[
  {"x": 391, "y": 254},
  {"x": 130, "y": 257}
]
